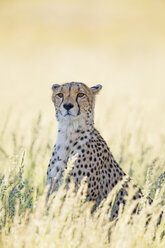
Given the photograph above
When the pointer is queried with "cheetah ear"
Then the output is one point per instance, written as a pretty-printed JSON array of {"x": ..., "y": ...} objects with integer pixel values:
[
  {"x": 96, "y": 89},
  {"x": 55, "y": 86}
]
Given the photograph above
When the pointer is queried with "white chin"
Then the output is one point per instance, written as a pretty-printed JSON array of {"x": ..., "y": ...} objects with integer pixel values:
[
  {"x": 72, "y": 117},
  {"x": 71, "y": 122},
  {"x": 69, "y": 117}
]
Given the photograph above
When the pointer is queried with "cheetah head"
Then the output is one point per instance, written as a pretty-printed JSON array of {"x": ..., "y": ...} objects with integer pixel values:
[{"x": 74, "y": 101}]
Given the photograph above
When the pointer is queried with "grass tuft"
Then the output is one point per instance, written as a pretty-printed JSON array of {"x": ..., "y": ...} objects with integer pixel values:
[{"x": 66, "y": 219}]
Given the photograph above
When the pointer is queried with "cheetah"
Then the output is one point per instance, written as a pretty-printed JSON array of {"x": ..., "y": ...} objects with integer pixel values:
[{"x": 74, "y": 107}]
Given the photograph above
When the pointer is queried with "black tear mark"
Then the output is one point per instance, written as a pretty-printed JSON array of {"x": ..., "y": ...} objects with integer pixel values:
[
  {"x": 62, "y": 97},
  {"x": 78, "y": 103}
]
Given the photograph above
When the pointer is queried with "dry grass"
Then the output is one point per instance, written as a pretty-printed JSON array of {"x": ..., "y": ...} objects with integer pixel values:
[
  {"x": 26, "y": 220},
  {"x": 117, "y": 43}
]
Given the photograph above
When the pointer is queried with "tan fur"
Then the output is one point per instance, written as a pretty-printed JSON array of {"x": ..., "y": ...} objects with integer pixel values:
[{"x": 77, "y": 135}]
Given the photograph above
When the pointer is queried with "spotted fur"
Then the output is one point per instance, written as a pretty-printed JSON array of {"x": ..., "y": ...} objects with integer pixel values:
[{"x": 74, "y": 105}]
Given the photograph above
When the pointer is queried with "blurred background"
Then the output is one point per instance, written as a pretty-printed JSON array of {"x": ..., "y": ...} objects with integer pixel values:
[{"x": 119, "y": 44}]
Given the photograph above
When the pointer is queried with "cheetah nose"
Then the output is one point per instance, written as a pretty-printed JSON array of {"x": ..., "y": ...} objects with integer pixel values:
[{"x": 68, "y": 105}]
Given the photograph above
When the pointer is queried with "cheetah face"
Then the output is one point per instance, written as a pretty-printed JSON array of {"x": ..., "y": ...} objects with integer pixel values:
[{"x": 74, "y": 100}]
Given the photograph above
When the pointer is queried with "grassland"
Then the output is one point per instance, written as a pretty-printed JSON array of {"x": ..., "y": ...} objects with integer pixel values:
[
  {"x": 26, "y": 220},
  {"x": 119, "y": 44}
]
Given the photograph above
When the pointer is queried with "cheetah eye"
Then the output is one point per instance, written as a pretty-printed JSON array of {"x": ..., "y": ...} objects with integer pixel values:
[
  {"x": 81, "y": 94},
  {"x": 60, "y": 95}
]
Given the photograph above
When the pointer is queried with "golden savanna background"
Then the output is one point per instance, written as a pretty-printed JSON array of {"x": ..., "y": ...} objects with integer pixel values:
[{"x": 119, "y": 44}]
